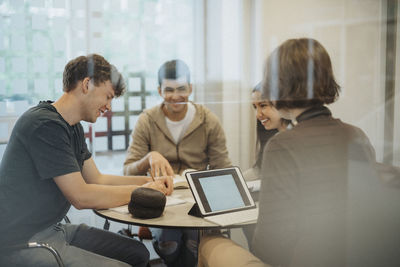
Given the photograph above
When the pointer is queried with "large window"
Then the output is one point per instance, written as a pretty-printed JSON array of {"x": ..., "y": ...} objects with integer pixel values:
[
  {"x": 33, "y": 49},
  {"x": 38, "y": 37}
]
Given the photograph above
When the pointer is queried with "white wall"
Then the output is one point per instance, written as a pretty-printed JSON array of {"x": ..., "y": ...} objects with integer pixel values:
[
  {"x": 396, "y": 143},
  {"x": 353, "y": 32}
]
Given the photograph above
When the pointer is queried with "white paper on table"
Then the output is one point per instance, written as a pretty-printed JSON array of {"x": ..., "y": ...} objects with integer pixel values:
[
  {"x": 254, "y": 186},
  {"x": 171, "y": 201}
]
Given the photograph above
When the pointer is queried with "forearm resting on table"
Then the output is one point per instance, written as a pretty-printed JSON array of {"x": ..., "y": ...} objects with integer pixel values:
[
  {"x": 107, "y": 179},
  {"x": 104, "y": 197},
  {"x": 93, "y": 196}
]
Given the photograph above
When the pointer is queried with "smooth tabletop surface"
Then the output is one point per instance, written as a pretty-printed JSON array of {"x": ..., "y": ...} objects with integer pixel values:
[{"x": 175, "y": 216}]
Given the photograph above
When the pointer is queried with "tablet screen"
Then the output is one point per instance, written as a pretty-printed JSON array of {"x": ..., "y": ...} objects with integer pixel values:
[
  {"x": 228, "y": 198},
  {"x": 220, "y": 190}
]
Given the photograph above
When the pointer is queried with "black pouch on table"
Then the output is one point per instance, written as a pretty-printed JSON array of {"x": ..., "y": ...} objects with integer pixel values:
[{"x": 146, "y": 203}]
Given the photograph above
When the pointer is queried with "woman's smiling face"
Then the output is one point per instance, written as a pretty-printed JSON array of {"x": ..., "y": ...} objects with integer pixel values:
[{"x": 267, "y": 114}]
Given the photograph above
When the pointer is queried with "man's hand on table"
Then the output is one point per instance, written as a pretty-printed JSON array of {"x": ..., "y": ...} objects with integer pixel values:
[
  {"x": 164, "y": 184},
  {"x": 159, "y": 166}
]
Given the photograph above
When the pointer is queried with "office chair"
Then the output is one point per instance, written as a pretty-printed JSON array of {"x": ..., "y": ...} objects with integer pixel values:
[{"x": 33, "y": 245}]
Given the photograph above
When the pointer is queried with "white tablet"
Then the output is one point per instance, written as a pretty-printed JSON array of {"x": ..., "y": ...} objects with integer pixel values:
[{"x": 220, "y": 191}]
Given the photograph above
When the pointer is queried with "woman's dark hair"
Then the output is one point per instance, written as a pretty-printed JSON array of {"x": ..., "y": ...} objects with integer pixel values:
[
  {"x": 263, "y": 135},
  {"x": 298, "y": 74},
  {"x": 96, "y": 68}
]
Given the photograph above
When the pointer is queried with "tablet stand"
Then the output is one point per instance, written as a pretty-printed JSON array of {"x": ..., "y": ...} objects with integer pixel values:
[{"x": 195, "y": 211}]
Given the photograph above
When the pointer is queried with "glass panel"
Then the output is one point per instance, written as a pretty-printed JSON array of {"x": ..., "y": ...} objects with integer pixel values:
[
  {"x": 2, "y": 149},
  {"x": 151, "y": 101},
  {"x": 118, "y": 123},
  {"x": 59, "y": 25},
  {"x": 39, "y": 42},
  {"x": 118, "y": 142},
  {"x": 101, "y": 144},
  {"x": 59, "y": 3},
  {"x": 85, "y": 126},
  {"x": 58, "y": 85},
  {"x": 117, "y": 104},
  {"x": 17, "y": 4},
  {"x": 152, "y": 85},
  {"x": 59, "y": 64},
  {"x": 19, "y": 64},
  {"x": 3, "y": 108},
  {"x": 20, "y": 86},
  {"x": 41, "y": 85},
  {"x": 40, "y": 64},
  {"x": 37, "y": 3},
  {"x": 135, "y": 103},
  {"x": 132, "y": 122},
  {"x": 2, "y": 65},
  {"x": 2, "y": 39},
  {"x": 101, "y": 124},
  {"x": 18, "y": 41},
  {"x": 59, "y": 44},
  {"x": 134, "y": 84},
  {"x": 3, "y": 131},
  {"x": 38, "y": 37},
  {"x": 18, "y": 21},
  {"x": 39, "y": 22},
  {"x": 2, "y": 87},
  {"x": 17, "y": 107}
]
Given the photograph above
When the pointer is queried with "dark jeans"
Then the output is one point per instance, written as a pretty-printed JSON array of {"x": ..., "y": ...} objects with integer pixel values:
[
  {"x": 177, "y": 247},
  {"x": 80, "y": 245}
]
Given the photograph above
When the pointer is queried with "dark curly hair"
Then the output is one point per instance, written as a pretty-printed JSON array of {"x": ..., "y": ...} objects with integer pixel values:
[{"x": 96, "y": 68}]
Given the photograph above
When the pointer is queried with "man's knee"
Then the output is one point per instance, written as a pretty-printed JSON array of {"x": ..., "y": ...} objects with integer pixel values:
[
  {"x": 144, "y": 256},
  {"x": 220, "y": 251},
  {"x": 167, "y": 250},
  {"x": 136, "y": 254},
  {"x": 167, "y": 247}
]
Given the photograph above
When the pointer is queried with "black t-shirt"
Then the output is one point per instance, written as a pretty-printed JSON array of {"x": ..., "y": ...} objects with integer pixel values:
[{"x": 42, "y": 146}]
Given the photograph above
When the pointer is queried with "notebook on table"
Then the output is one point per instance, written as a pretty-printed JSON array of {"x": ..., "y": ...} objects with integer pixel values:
[
  {"x": 180, "y": 181},
  {"x": 221, "y": 196}
]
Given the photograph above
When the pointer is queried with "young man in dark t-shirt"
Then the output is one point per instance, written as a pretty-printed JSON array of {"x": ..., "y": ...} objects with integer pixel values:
[{"x": 47, "y": 167}]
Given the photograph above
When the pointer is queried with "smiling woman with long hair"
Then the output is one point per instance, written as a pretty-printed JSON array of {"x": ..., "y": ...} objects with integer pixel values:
[{"x": 268, "y": 124}]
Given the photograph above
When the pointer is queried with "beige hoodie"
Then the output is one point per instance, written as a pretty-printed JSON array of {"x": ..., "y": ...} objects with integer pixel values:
[{"x": 203, "y": 143}]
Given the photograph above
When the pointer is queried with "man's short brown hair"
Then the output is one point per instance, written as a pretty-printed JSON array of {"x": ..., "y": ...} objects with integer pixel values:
[
  {"x": 298, "y": 74},
  {"x": 96, "y": 68}
]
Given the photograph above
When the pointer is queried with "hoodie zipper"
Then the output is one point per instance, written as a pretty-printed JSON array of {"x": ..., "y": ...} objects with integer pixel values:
[{"x": 179, "y": 160}]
